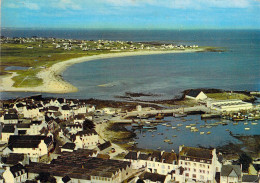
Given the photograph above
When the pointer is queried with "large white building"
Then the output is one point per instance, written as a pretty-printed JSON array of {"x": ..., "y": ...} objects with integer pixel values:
[
  {"x": 199, "y": 164},
  {"x": 229, "y": 105}
]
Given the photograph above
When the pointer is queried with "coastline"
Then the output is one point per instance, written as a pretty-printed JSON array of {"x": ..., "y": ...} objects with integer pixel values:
[{"x": 53, "y": 83}]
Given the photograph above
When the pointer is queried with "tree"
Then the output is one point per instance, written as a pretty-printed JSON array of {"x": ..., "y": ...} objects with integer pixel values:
[
  {"x": 245, "y": 160},
  {"x": 88, "y": 124}
]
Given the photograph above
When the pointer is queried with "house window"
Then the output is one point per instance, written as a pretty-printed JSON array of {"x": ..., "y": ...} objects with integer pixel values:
[
  {"x": 187, "y": 174},
  {"x": 163, "y": 166},
  {"x": 194, "y": 170},
  {"x": 169, "y": 167},
  {"x": 202, "y": 177},
  {"x": 194, "y": 176}
]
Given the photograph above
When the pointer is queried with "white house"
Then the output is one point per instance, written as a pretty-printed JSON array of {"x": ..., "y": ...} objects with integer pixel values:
[
  {"x": 230, "y": 173},
  {"x": 162, "y": 162},
  {"x": 34, "y": 146},
  {"x": 7, "y": 131},
  {"x": 196, "y": 95},
  {"x": 10, "y": 119},
  {"x": 199, "y": 164},
  {"x": 158, "y": 162},
  {"x": 153, "y": 178},
  {"x": 87, "y": 139},
  {"x": 15, "y": 174}
]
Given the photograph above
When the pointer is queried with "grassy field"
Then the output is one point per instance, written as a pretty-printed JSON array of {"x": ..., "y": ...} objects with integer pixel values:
[
  {"x": 36, "y": 59},
  {"x": 228, "y": 96}
]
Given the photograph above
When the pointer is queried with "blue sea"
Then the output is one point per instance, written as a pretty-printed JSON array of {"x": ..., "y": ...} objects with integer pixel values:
[{"x": 166, "y": 74}]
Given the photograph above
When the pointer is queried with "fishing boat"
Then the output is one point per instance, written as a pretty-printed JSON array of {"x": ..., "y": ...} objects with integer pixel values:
[
  {"x": 149, "y": 127},
  {"x": 253, "y": 123},
  {"x": 174, "y": 127},
  {"x": 208, "y": 133},
  {"x": 201, "y": 133},
  {"x": 168, "y": 125},
  {"x": 167, "y": 140},
  {"x": 179, "y": 115},
  {"x": 188, "y": 126},
  {"x": 159, "y": 116},
  {"x": 247, "y": 128}
]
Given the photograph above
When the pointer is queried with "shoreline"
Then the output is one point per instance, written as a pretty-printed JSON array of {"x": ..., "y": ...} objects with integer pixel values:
[{"x": 53, "y": 83}]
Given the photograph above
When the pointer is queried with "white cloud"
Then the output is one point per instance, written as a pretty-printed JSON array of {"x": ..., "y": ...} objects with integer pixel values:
[
  {"x": 184, "y": 4},
  {"x": 31, "y": 6},
  {"x": 67, "y": 4}
]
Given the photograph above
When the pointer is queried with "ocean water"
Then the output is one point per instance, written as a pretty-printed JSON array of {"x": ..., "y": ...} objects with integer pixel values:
[
  {"x": 219, "y": 136},
  {"x": 166, "y": 74}
]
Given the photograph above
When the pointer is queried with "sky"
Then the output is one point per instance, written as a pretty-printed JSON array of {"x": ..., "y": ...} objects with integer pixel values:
[{"x": 131, "y": 14}]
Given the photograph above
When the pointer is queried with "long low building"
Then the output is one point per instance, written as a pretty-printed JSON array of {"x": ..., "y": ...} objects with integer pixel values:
[{"x": 229, "y": 105}]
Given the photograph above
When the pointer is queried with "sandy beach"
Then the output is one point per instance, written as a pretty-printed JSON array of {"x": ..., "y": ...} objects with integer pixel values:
[{"x": 53, "y": 83}]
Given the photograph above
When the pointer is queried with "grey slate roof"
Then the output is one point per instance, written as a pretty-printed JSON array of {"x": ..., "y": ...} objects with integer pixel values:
[
  {"x": 250, "y": 178},
  {"x": 227, "y": 169},
  {"x": 10, "y": 116},
  {"x": 154, "y": 177},
  {"x": 193, "y": 93},
  {"x": 69, "y": 145},
  {"x": 17, "y": 169},
  {"x": 8, "y": 129}
]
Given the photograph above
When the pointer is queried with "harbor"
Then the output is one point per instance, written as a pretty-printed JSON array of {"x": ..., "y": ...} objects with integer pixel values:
[{"x": 194, "y": 131}]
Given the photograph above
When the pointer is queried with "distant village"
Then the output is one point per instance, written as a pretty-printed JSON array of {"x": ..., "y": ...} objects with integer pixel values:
[
  {"x": 90, "y": 45},
  {"x": 61, "y": 140}
]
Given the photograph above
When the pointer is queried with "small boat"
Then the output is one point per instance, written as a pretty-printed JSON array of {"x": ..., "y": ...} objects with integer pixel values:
[
  {"x": 158, "y": 148},
  {"x": 168, "y": 125},
  {"x": 224, "y": 124},
  {"x": 152, "y": 135},
  {"x": 192, "y": 124},
  {"x": 149, "y": 127},
  {"x": 247, "y": 128},
  {"x": 167, "y": 140},
  {"x": 179, "y": 124},
  {"x": 208, "y": 133},
  {"x": 164, "y": 124},
  {"x": 179, "y": 115},
  {"x": 202, "y": 126},
  {"x": 254, "y": 123},
  {"x": 159, "y": 116},
  {"x": 174, "y": 127},
  {"x": 201, "y": 133},
  {"x": 235, "y": 123},
  {"x": 227, "y": 129},
  {"x": 170, "y": 142},
  {"x": 245, "y": 123},
  {"x": 188, "y": 126},
  {"x": 174, "y": 136}
]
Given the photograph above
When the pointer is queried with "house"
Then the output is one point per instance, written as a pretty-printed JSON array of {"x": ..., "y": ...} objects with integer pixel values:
[
  {"x": 196, "y": 95},
  {"x": 157, "y": 162},
  {"x": 13, "y": 159},
  {"x": 7, "y": 131},
  {"x": 66, "y": 112},
  {"x": 199, "y": 164},
  {"x": 65, "y": 179},
  {"x": 35, "y": 146},
  {"x": 230, "y": 173},
  {"x": 87, "y": 139},
  {"x": 162, "y": 162},
  {"x": 250, "y": 179},
  {"x": 16, "y": 173},
  {"x": 10, "y": 119}
]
